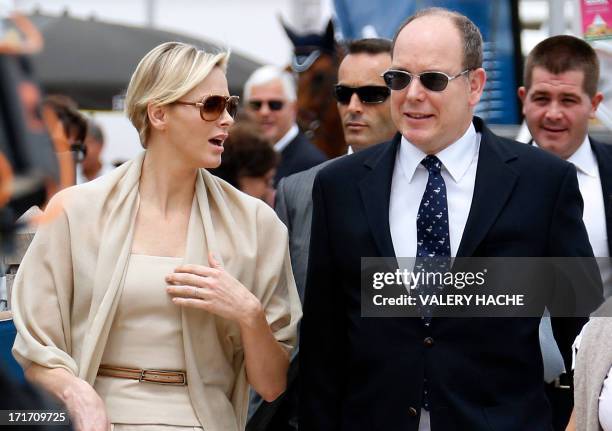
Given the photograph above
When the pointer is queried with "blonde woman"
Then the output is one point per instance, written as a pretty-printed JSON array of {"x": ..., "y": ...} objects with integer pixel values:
[{"x": 158, "y": 292}]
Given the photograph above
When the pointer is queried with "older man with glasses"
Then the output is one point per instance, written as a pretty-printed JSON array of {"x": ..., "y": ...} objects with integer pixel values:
[
  {"x": 444, "y": 187},
  {"x": 270, "y": 99}
]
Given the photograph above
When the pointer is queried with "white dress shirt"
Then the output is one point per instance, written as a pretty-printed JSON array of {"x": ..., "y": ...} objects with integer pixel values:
[
  {"x": 287, "y": 138},
  {"x": 594, "y": 215},
  {"x": 459, "y": 163}
]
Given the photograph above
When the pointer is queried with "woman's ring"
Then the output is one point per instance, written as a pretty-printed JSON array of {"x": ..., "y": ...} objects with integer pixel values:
[{"x": 195, "y": 292}]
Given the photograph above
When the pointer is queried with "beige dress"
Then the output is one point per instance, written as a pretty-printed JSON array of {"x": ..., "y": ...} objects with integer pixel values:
[
  {"x": 146, "y": 334},
  {"x": 69, "y": 285}
]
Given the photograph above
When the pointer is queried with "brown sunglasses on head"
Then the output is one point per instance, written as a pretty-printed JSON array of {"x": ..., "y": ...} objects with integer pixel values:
[{"x": 212, "y": 106}]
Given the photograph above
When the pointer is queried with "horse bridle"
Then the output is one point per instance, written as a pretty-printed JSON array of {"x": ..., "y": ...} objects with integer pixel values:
[{"x": 301, "y": 62}]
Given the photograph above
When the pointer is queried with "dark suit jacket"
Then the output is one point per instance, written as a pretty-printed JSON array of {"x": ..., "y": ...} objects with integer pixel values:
[
  {"x": 603, "y": 154},
  {"x": 293, "y": 205},
  {"x": 483, "y": 374},
  {"x": 298, "y": 156}
]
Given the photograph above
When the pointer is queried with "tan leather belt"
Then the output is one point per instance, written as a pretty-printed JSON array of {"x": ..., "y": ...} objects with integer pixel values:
[{"x": 162, "y": 377}]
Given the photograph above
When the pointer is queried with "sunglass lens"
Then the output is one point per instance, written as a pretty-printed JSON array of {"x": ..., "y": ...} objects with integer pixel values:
[
  {"x": 434, "y": 81},
  {"x": 396, "y": 80},
  {"x": 372, "y": 94},
  {"x": 343, "y": 94},
  {"x": 275, "y": 105},
  {"x": 232, "y": 106},
  {"x": 255, "y": 105},
  {"x": 212, "y": 107}
]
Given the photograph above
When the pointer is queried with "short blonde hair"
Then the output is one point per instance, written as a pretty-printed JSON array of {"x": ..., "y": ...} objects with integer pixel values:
[{"x": 164, "y": 75}]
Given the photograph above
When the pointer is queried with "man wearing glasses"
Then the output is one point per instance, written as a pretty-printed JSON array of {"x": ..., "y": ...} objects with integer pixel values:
[
  {"x": 270, "y": 99},
  {"x": 363, "y": 104},
  {"x": 445, "y": 186}
]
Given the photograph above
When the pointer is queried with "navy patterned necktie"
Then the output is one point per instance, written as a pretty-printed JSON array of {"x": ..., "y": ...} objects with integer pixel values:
[{"x": 433, "y": 238}]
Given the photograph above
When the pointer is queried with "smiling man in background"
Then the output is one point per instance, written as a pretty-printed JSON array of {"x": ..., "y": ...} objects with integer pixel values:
[{"x": 559, "y": 98}]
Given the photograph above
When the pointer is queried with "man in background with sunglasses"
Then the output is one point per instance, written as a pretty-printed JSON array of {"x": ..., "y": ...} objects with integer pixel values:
[
  {"x": 445, "y": 186},
  {"x": 363, "y": 103},
  {"x": 270, "y": 99}
]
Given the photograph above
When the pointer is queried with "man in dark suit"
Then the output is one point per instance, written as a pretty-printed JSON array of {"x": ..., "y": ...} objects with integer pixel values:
[
  {"x": 495, "y": 198},
  {"x": 270, "y": 99},
  {"x": 559, "y": 98},
  {"x": 363, "y": 105}
]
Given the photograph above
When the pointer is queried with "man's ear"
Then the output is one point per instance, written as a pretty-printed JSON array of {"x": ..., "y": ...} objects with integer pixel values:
[
  {"x": 158, "y": 116},
  {"x": 521, "y": 92},
  {"x": 595, "y": 101},
  {"x": 477, "y": 80}
]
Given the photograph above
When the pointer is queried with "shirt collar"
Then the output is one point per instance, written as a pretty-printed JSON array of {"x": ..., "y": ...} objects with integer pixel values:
[
  {"x": 584, "y": 159},
  {"x": 285, "y": 140},
  {"x": 456, "y": 158}
]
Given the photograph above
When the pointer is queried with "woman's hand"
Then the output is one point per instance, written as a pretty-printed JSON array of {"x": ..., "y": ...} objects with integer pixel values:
[
  {"x": 214, "y": 290},
  {"x": 85, "y": 407}
]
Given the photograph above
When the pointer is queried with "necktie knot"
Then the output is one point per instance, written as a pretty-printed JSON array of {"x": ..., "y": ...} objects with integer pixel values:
[{"x": 432, "y": 164}]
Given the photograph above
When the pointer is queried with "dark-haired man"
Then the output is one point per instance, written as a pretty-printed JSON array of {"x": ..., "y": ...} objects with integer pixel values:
[
  {"x": 559, "y": 98},
  {"x": 495, "y": 198},
  {"x": 363, "y": 104}
]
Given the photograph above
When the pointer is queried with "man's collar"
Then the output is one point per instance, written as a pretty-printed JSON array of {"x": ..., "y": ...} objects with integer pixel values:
[
  {"x": 584, "y": 159},
  {"x": 285, "y": 140},
  {"x": 456, "y": 158}
]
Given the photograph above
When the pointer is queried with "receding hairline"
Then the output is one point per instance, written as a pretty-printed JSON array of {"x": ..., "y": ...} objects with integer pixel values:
[
  {"x": 446, "y": 18},
  {"x": 431, "y": 13}
]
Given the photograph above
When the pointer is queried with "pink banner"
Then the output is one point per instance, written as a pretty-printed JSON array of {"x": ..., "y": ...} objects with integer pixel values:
[{"x": 596, "y": 19}]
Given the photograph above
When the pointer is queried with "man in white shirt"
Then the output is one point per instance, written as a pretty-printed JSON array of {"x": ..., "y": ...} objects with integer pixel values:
[
  {"x": 270, "y": 100},
  {"x": 444, "y": 186},
  {"x": 559, "y": 98}
]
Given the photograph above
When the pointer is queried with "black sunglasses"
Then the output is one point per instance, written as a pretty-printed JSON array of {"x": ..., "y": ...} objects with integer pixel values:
[
  {"x": 367, "y": 93},
  {"x": 211, "y": 107},
  {"x": 274, "y": 105},
  {"x": 434, "y": 81}
]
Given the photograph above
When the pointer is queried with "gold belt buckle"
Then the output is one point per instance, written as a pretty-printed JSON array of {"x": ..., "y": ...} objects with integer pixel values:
[{"x": 182, "y": 374}]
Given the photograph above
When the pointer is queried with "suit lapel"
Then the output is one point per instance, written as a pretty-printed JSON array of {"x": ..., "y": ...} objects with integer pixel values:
[
  {"x": 604, "y": 162},
  {"x": 495, "y": 181},
  {"x": 375, "y": 190}
]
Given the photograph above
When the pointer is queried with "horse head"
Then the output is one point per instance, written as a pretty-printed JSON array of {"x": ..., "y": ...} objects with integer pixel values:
[{"x": 315, "y": 62}]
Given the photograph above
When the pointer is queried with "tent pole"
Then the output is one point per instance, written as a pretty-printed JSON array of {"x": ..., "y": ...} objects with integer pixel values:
[
  {"x": 150, "y": 6},
  {"x": 556, "y": 24}
]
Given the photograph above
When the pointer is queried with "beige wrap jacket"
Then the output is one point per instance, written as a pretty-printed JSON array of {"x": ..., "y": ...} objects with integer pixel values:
[{"x": 69, "y": 284}]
